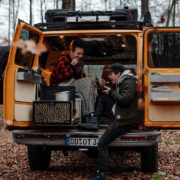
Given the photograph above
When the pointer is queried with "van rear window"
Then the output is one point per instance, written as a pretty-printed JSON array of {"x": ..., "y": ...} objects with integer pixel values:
[
  {"x": 26, "y": 59},
  {"x": 164, "y": 50}
]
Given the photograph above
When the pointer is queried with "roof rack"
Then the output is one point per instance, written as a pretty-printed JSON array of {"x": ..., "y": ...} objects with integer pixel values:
[{"x": 90, "y": 25}]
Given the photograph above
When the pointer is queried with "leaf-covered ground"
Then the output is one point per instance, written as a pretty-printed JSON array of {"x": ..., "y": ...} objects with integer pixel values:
[{"x": 77, "y": 166}]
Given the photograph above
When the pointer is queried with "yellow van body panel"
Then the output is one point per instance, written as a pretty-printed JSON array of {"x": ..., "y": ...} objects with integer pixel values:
[
  {"x": 163, "y": 112},
  {"x": 152, "y": 111},
  {"x": 9, "y": 78}
]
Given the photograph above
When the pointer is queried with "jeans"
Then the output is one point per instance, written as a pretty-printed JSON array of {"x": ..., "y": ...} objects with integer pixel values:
[
  {"x": 112, "y": 132},
  {"x": 105, "y": 104}
]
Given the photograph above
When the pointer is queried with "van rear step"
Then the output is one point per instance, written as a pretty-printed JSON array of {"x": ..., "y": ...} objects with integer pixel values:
[{"x": 81, "y": 139}]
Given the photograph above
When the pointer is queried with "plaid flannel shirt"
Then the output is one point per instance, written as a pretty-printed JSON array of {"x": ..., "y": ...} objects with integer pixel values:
[{"x": 63, "y": 72}]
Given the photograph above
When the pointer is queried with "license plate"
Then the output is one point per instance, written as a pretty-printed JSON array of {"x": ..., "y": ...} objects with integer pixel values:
[{"x": 82, "y": 141}]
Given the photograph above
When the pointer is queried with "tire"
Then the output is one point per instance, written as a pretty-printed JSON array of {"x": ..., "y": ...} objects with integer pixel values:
[
  {"x": 149, "y": 159},
  {"x": 38, "y": 157},
  {"x": 92, "y": 153}
]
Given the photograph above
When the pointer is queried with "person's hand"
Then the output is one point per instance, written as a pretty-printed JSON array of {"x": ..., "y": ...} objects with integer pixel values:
[
  {"x": 107, "y": 90},
  {"x": 101, "y": 82},
  {"x": 78, "y": 69},
  {"x": 74, "y": 61},
  {"x": 141, "y": 104}
]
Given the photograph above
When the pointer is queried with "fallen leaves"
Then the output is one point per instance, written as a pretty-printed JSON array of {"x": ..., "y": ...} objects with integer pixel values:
[
  {"x": 27, "y": 46},
  {"x": 5, "y": 40},
  {"x": 162, "y": 20},
  {"x": 78, "y": 166}
]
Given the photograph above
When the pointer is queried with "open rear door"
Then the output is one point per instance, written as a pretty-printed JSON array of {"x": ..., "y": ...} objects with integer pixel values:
[
  {"x": 162, "y": 77},
  {"x": 20, "y": 93}
]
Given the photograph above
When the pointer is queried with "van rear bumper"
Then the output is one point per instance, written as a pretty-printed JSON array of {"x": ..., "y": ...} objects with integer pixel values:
[{"x": 50, "y": 138}]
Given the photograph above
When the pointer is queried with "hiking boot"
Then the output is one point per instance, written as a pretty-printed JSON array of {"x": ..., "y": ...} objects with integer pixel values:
[{"x": 92, "y": 124}]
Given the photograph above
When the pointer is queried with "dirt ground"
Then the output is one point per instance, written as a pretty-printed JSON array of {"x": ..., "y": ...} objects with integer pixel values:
[{"x": 78, "y": 166}]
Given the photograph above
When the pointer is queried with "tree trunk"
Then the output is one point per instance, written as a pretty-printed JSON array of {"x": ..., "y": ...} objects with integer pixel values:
[
  {"x": 30, "y": 12},
  {"x": 68, "y": 4},
  {"x": 45, "y": 7},
  {"x": 174, "y": 14},
  {"x": 82, "y": 5},
  {"x": 105, "y": 3},
  {"x": 13, "y": 12},
  {"x": 41, "y": 10},
  {"x": 110, "y": 5},
  {"x": 144, "y": 7},
  {"x": 9, "y": 28},
  {"x": 57, "y": 4},
  {"x": 16, "y": 15},
  {"x": 169, "y": 12}
]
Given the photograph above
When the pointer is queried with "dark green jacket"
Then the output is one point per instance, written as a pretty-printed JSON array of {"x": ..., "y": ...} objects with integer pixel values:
[{"x": 125, "y": 97}]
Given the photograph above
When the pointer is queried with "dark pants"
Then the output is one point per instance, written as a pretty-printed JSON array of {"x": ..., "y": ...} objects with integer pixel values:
[
  {"x": 112, "y": 132},
  {"x": 105, "y": 104}
]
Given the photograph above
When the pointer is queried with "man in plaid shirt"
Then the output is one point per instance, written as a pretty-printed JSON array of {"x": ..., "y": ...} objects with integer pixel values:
[
  {"x": 69, "y": 72},
  {"x": 69, "y": 66}
]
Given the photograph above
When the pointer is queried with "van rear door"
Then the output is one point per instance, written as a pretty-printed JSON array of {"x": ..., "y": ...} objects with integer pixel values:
[
  {"x": 18, "y": 93},
  {"x": 162, "y": 77}
]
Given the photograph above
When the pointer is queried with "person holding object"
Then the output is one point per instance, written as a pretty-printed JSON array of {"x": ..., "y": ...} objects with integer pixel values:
[
  {"x": 104, "y": 104},
  {"x": 126, "y": 114},
  {"x": 65, "y": 68},
  {"x": 69, "y": 72}
]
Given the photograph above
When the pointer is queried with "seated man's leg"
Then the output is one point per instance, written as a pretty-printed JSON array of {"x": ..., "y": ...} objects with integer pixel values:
[
  {"x": 104, "y": 105},
  {"x": 112, "y": 132},
  {"x": 108, "y": 104}
]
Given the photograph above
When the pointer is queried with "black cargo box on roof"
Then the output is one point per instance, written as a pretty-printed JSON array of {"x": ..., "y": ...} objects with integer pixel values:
[
  {"x": 62, "y": 15},
  {"x": 67, "y": 20}
]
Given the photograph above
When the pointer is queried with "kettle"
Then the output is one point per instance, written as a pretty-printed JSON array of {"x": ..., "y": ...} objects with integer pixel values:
[{"x": 62, "y": 96}]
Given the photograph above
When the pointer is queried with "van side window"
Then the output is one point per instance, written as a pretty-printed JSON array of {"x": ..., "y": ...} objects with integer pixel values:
[
  {"x": 164, "y": 50},
  {"x": 25, "y": 59}
]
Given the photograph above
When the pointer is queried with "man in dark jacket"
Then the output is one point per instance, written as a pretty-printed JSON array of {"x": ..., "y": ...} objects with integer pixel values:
[{"x": 125, "y": 112}]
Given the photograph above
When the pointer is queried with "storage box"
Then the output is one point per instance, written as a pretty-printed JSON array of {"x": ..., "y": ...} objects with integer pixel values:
[{"x": 52, "y": 112}]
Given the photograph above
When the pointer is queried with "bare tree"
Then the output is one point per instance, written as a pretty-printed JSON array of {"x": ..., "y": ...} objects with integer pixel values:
[
  {"x": 30, "y": 11},
  {"x": 169, "y": 12},
  {"x": 82, "y": 5},
  {"x": 68, "y": 4},
  {"x": 109, "y": 5},
  {"x": 9, "y": 21},
  {"x": 45, "y": 7},
  {"x": 15, "y": 14},
  {"x": 144, "y": 7},
  {"x": 105, "y": 5},
  {"x": 57, "y": 4},
  {"x": 174, "y": 14},
  {"x": 41, "y": 10}
]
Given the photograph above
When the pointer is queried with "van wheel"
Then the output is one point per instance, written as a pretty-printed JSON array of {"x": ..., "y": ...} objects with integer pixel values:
[
  {"x": 38, "y": 157},
  {"x": 92, "y": 153},
  {"x": 149, "y": 159}
]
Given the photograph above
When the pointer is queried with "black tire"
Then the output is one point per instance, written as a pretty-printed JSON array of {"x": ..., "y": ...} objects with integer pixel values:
[
  {"x": 38, "y": 157},
  {"x": 149, "y": 159},
  {"x": 92, "y": 153}
]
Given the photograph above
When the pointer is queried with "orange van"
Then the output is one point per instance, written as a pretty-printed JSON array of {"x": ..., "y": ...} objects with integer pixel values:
[{"x": 152, "y": 53}]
